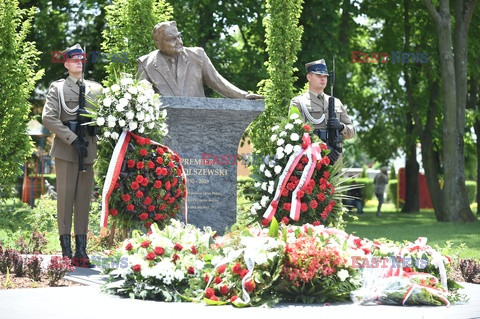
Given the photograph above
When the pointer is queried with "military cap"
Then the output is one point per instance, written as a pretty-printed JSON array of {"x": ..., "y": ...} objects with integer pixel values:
[
  {"x": 317, "y": 67},
  {"x": 73, "y": 51}
]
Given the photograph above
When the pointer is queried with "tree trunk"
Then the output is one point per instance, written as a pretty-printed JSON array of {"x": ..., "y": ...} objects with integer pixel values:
[
  {"x": 411, "y": 165},
  {"x": 473, "y": 101},
  {"x": 455, "y": 195}
]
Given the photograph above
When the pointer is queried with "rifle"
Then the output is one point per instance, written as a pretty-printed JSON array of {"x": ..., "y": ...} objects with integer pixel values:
[
  {"x": 80, "y": 131},
  {"x": 334, "y": 139}
]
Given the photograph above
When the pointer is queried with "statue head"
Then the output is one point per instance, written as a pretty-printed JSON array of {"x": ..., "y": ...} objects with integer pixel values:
[{"x": 167, "y": 38}]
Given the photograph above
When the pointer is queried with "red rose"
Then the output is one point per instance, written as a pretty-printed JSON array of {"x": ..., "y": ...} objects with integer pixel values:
[
  {"x": 265, "y": 222},
  {"x": 221, "y": 269},
  {"x": 139, "y": 194},
  {"x": 144, "y": 182},
  {"x": 163, "y": 216},
  {"x": 126, "y": 197},
  {"x": 134, "y": 185},
  {"x": 217, "y": 280},
  {"x": 191, "y": 270},
  {"x": 147, "y": 225},
  {"x": 224, "y": 290},
  {"x": 157, "y": 216},
  {"x": 151, "y": 165},
  {"x": 313, "y": 204},
  {"x": 130, "y": 163},
  {"x": 178, "y": 192},
  {"x": 168, "y": 185},
  {"x": 117, "y": 185},
  {"x": 171, "y": 164},
  {"x": 318, "y": 166},
  {"x": 285, "y": 220},
  {"x": 178, "y": 247},
  {"x": 171, "y": 200},
  {"x": 150, "y": 256},
  {"x": 210, "y": 295},
  {"x": 250, "y": 285},
  {"x": 159, "y": 251},
  {"x": 326, "y": 174},
  {"x": 113, "y": 212},
  {"x": 290, "y": 186},
  {"x": 299, "y": 167},
  {"x": 304, "y": 160},
  {"x": 128, "y": 247},
  {"x": 137, "y": 268},
  {"x": 206, "y": 279},
  {"x": 151, "y": 208},
  {"x": 159, "y": 160},
  {"x": 194, "y": 250},
  {"x": 325, "y": 160},
  {"x": 306, "y": 127},
  {"x": 143, "y": 216},
  {"x": 160, "y": 151},
  {"x": 285, "y": 192},
  {"x": 143, "y": 152},
  {"x": 317, "y": 223},
  {"x": 287, "y": 206},
  {"x": 324, "y": 215},
  {"x": 140, "y": 165},
  {"x": 175, "y": 257},
  {"x": 147, "y": 200},
  {"x": 243, "y": 273},
  {"x": 237, "y": 269},
  {"x": 145, "y": 243},
  {"x": 162, "y": 207},
  {"x": 130, "y": 207},
  {"x": 233, "y": 298},
  {"x": 157, "y": 184},
  {"x": 321, "y": 197},
  {"x": 179, "y": 171},
  {"x": 300, "y": 194},
  {"x": 174, "y": 182},
  {"x": 303, "y": 207}
]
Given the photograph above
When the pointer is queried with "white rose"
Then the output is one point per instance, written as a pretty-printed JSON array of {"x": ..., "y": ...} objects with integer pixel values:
[
  {"x": 294, "y": 116},
  {"x": 280, "y": 156},
  {"x": 120, "y": 107},
  {"x": 123, "y": 101},
  {"x": 273, "y": 137},
  {"x": 126, "y": 81},
  {"x": 280, "y": 142},
  {"x": 297, "y": 122},
  {"x": 288, "y": 148},
  {"x": 277, "y": 169},
  {"x": 289, "y": 126},
  {"x": 151, "y": 125},
  {"x": 133, "y": 125},
  {"x": 280, "y": 150},
  {"x": 267, "y": 173},
  {"x": 111, "y": 120},
  {"x": 294, "y": 137},
  {"x": 114, "y": 135},
  {"x": 264, "y": 200},
  {"x": 257, "y": 184},
  {"x": 106, "y": 134},
  {"x": 141, "y": 99},
  {"x": 107, "y": 101},
  {"x": 274, "y": 128},
  {"x": 270, "y": 189},
  {"x": 264, "y": 186},
  {"x": 262, "y": 167},
  {"x": 115, "y": 88},
  {"x": 105, "y": 90},
  {"x": 140, "y": 116},
  {"x": 141, "y": 129},
  {"x": 100, "y": 121},
  {"x": 297, "y": 148},
  {"x": 343, "y": 274},
  {"x": 271, "y": 183},
  {"x": 121, "y": 122},
  {"x": 132, "y": 90},
  {"x": 130, "y": 115},
  {"x": 128, "y": 96},
  {"x": 148, "y": 118},
  {"x": 282, "y": 133}
]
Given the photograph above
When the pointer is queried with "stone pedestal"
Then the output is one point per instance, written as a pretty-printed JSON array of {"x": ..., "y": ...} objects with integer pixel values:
[{"x": 205, "y": 133}]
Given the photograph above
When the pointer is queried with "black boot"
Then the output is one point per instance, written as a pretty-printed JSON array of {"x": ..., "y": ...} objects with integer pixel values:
[
  {"x": 65, "y": 242},
  {"x": 81, "y": 258}
]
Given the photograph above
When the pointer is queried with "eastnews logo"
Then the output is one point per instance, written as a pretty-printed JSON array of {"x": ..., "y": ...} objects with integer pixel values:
[
  {"x": 95, "y": 57},
  {"x": 388, "y": 262},
  {"x": 383, "y": 57}
]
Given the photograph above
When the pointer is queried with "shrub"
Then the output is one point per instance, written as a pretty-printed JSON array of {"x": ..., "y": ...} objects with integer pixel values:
[
  {"x": 57, "y": 269},
  {"x": 470, "y": 269},
  {"x": 33, "y": 266},
  {"x": 7, "y": 260},
  {"x": 367, "y": 190},
  {"x": 471, "y": 187},
  {"x": 18, "y": 265},
  {"x": 392, "y": 192}
]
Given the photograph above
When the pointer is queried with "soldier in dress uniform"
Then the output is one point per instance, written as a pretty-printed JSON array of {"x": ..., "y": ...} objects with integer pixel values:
[
  {"x": 175, "y": 70},
  {"x": 74, "y": 188},
  {"x": 314, "y": 105}
]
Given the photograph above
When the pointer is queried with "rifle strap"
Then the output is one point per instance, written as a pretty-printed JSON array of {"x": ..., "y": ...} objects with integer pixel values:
[
  {"x": 307, "y": 114},
  {"x": 65, "y": 108}
]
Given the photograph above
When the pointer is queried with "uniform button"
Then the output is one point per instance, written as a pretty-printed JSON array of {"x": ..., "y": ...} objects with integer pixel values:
[{"x": 68, "y": 138}]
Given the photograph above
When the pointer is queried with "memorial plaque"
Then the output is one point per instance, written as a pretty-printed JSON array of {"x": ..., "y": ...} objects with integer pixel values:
[{"x": 205, "y": 132}]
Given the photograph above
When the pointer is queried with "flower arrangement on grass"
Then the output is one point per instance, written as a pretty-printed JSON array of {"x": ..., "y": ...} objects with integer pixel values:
[
  {"x": 300, "y": 186},
  {"x": 150, "y": 187},
  {"x": 163, "y": 265},
  {"x": 128, "y": 105}
]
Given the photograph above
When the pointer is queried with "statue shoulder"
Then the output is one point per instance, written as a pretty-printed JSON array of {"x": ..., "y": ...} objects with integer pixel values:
[{"x": 147, "y": 57}]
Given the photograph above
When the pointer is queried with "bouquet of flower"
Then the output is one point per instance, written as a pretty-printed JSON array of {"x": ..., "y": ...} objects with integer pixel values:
[
  {"x": 299, "y": 187},
  {"x": 128, "y": 105},
  {"x": 163, "y": 265},
  {"x": 150, "y": 187}
]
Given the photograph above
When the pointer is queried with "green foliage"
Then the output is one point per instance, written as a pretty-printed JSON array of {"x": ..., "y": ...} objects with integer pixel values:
[
  {"x": 130, "y": 25},
  {"x": 19, "y": 62},
  {"x": 367, "y": 186},
  {"x": 471, "y": 187},
  {"x": 392, "y": 192},
  {"x": 283, "y": 34}
]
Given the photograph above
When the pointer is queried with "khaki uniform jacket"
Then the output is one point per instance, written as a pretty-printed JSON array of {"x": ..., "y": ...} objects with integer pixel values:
[
  {"x": 194, "y": 69},
  {"x": 54, "y": 116},
  {"x": 318, "y": 107}
]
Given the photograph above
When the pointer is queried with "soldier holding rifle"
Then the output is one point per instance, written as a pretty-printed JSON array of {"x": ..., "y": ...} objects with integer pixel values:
[
  {"x": 330, "y": 126},
  {"x": 75, "y": 149}
]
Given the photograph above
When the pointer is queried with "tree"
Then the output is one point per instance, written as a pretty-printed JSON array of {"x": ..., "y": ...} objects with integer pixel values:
[
  {"x": 19, "y": 59},
  {"x": 453, "y": 62}
]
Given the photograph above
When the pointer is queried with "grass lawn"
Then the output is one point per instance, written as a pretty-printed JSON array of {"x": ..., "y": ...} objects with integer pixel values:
[{"x": 464, "y": 237}]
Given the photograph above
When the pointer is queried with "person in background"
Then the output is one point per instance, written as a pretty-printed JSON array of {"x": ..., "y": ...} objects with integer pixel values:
[
  {"x": 355, "y": 198},
  {"x": 380, "y": 181}
]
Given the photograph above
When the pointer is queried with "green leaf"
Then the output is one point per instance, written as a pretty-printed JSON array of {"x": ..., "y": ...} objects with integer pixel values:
[{"x": 273, "y": 230}]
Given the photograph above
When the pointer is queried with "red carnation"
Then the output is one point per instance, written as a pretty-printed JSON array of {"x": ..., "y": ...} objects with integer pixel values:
[
  {"x": 160, "y": 151},
  {"x": 157, "y": 184},
  {"x": 151, "y": 208},
  {"x": 157, "y": 216},
  {"x": 129, "y": 247},
  {"x": 326, "y": 160},
  {"x": 143, "y": 216},
  {"x": 150, "y": 256},
  {"x": 306, "y": 127},
  {"x": 250, "y": 285},
  {"x": 113, "y": 212},
  {"x": 326, "y": 174},
  {"x": 179, "y": 171},
  {"x": 303, "y": 207},
  {"x": 145, "y": 243},
  {"x": 143, "y": 152},
  {"x": 191, "y": 270},
  {"x": 217, "y": 280},
  {"x": 194, "y": 250},
  {"x": 159, "y": 160},
  {"x": 287, "y": 206},
  {"x": 285, "y": 192},
  {"x": 130, "y": 207},
  {"x": 139, "y": 194},
  {"x": 159, "y": 251},
  {"x": 163, "y": 216},
  {"x": 300, "y": 194},
  {"x": 134, "y": 185},
  {"x": 147, "y": 200},
  {"x": 130, "y": 163},
  {"x": 151, "y": 165},
  {"x": 224, "y": 290},
  {"x": 209, "y": 292},
  {"x": 304, "y": 160},
  {"x": 221, "y": 269},
  {"x": 178, "y": 247},
  {"x": 321, "y": 197},
  {"x": 175, "y": 257},
  {"x": 144, "y": 182},
  {"x": 126, "y": 197},
  {"x": 313, "y": 204},
  {"x": 237, "y": 269},
  {"x": 323, "y": 146},
  {"x": 174, "y": 182},
  {"x": 285, "y": 220},
  {"x": 168, "y": 185},
  {"x": 299, "y": 167},
  {"x": 137, "y": 268},
  {"x": 318, "y": 166},
  {"x": 140, "y": 165}
]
